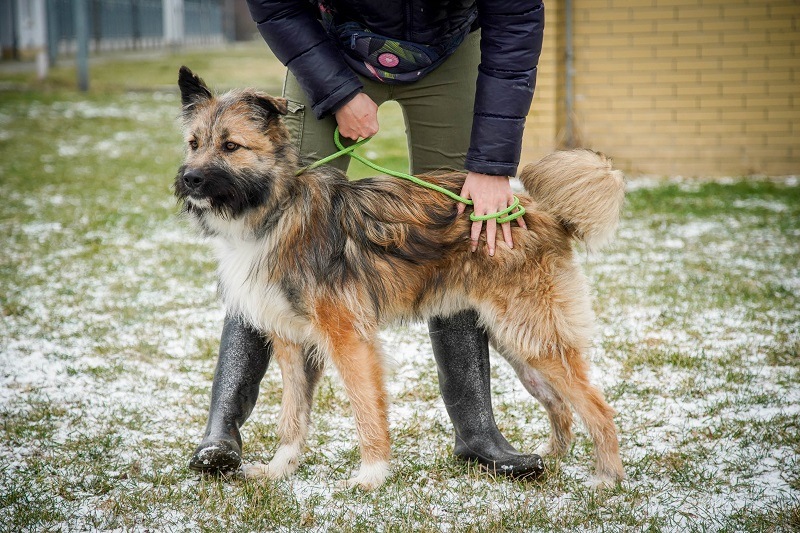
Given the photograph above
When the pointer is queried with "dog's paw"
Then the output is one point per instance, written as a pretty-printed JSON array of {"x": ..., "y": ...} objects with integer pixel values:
[
  {"x": 285, "y": 462},
  {"x": 605, "y": 481},
  {"x": 552, "y": 448},
  {"x": 545, "y": 449},
  {"x": 369, "y": 477},
  {"x": 255, "y": 471}
]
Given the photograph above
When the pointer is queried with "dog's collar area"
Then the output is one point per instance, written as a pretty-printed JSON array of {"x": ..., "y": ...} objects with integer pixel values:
[{"x": 512, "y": 212}]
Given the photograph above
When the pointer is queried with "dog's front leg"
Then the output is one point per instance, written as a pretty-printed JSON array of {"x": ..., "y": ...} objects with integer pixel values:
[
  {"x": 360, "y": 367},
  {"x": 300, "y": 372}
]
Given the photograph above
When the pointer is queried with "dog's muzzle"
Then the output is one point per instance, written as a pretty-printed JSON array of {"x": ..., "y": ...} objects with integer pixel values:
[
  {"x": 193, "y": 180},
  {"x": 191, "y": 185}
]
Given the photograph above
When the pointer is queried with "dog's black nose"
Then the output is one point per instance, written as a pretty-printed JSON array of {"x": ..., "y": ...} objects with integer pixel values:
[{"x": 193, "y": 179}]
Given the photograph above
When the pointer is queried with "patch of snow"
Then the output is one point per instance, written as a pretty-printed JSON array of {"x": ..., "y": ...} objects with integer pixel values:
[{"x": 137, "y": 368}]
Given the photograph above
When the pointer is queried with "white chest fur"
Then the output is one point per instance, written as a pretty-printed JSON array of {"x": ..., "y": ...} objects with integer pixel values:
[{"x": 247, "y": 292}]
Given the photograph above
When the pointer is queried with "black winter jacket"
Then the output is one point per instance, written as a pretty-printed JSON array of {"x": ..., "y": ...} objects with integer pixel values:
[{"x": 511, "y": 41}]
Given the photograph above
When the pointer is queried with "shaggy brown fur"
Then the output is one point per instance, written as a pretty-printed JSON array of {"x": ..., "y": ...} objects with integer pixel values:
[{"x": 320, "y": 263}]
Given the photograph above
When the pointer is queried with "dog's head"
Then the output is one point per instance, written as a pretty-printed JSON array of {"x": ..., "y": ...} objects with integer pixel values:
[{"x": 236, "y": 147}]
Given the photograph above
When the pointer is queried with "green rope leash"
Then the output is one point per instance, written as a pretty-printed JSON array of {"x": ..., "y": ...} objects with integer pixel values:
[{"x": 502, "y": 217}]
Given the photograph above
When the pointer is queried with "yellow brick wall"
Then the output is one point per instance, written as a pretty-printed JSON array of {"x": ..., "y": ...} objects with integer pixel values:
[
  {"x": 690, "y": 87},
  {"x": 543, "y": 124}
]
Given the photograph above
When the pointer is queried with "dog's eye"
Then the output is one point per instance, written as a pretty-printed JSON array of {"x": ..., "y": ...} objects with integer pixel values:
[
  {"x": 231, "y": 146},
  {"x": 193, "y": 144}
]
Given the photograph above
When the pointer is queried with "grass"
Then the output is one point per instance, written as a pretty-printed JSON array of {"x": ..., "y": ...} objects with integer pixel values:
[{"x": 110, "y": 329}]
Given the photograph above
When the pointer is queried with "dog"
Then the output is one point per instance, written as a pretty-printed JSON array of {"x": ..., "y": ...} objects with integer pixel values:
[{"x": 319, "y": 264}]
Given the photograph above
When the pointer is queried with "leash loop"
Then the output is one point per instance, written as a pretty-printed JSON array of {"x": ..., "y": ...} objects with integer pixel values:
[{"x": 506, "y": 215}]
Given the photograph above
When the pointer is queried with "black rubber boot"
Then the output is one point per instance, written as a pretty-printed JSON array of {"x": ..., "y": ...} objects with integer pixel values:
[
  {"x": 461, "y": 350},
  {"x": 243, "y": 358}
]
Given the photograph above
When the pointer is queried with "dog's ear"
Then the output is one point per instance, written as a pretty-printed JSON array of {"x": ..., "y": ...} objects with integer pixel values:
[
  {"x": 271, "y": 104},
  {"x": 193, "y": 89}
]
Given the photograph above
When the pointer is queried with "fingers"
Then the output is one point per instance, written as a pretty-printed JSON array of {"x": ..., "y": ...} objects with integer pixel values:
[
  {"x": 356, "y": 130},
  {"x": 491, "y": 235},
  {"x": 490, "y": 194},
  {"x": 475, "y": 235},
  {"x": 359, "y": 130},
  {"x": 507, "y": 234},
  {"x": 358, "y": 118}
]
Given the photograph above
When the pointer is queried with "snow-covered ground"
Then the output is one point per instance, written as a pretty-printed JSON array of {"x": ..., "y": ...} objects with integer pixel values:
[{"x": 108, "y": 340}]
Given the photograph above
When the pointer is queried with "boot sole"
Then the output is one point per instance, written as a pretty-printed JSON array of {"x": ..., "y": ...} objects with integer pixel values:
[
  {"x": 532, "y": 468},
  {"x": 215, "y": 459}
]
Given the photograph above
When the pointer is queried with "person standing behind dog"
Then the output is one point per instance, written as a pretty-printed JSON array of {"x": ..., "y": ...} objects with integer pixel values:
[{"x": 463, "y": 72}]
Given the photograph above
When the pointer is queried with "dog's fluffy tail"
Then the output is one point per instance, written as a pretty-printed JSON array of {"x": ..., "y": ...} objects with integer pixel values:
[{"x": 580, "y": 188}]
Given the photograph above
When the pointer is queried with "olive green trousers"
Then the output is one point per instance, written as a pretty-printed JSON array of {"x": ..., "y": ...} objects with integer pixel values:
[{"x": 437, "y": 111}]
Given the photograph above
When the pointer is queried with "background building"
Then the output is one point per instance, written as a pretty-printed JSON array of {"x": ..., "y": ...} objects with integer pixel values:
[{"x": 690, "y": 87}]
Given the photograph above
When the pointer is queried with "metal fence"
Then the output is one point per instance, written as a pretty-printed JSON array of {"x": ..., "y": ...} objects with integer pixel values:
[
  {"x": 202, "y": 18},
  {"x": 131, "y": 24}
]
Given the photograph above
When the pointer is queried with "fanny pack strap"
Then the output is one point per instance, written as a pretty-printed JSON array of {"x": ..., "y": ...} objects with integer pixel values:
[{"x": 389, "y": 60}]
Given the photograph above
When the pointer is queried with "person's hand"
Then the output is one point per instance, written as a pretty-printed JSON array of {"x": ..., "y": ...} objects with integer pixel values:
[
  {"x": 490, "y": 194},
  {"x": 358, "y": 118}
]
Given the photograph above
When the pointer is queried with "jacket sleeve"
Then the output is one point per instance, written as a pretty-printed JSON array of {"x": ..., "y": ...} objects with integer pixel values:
[
  {"x": 298, "y": 40},
  {"x": 511, "y": 42}
]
